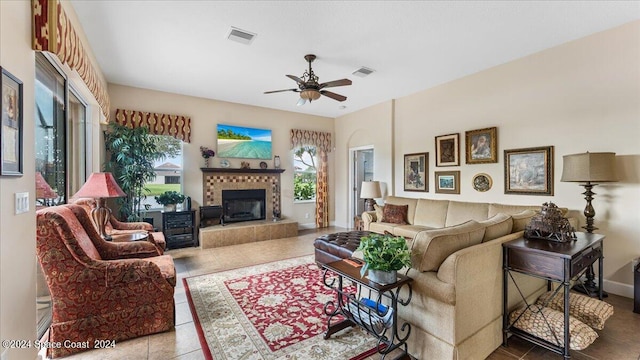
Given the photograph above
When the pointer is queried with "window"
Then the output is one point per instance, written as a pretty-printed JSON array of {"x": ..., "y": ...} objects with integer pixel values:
[
  {"x": 304, "y": 174},
  {"x": 168, "y": 171}
]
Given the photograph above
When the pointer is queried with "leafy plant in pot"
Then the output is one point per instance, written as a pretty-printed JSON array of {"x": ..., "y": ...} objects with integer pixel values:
[
  {"x": 384, "y": 255},
  {"x": 169, "y": 199}
]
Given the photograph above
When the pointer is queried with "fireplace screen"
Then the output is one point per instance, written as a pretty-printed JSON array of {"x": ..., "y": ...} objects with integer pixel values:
[{"x": 243, "y": 205}]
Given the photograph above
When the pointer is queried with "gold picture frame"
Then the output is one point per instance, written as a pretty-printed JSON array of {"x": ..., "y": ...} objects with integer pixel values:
[
  {"x": 481, "y": 146},
  {"x": 529, "y": 171},
  {"x": 416, "y": 168},
  {"x": 448, "y": 150},
  {"x": 447, "y": 182}
]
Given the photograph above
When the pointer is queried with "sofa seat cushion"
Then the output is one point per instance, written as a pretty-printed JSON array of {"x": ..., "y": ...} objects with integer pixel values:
[
  {"x": 534, "y": 321},
  {"x": 497, "y": 226},
  {"x": 458, "y": 212},
  {"x": 431, "y": 247},
  {"x": 590, "y": 311},
  {"x": 409, "y": 231},
  {"x": 381, "y": 227},
  {"x": 396, "y": 214}
]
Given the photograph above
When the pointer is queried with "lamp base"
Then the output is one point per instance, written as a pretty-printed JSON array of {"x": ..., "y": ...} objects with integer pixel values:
[
  {"x": 589, "y": 287},
  {"x": 101, "y": 215},
  {"x": 368, "y": 204}
]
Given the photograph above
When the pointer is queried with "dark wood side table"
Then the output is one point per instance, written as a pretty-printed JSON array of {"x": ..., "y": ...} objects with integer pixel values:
[
  {"x": 355, "y": 312},
  {"x": 358, "y": 224},
  {"x": 554, "y": 262}
]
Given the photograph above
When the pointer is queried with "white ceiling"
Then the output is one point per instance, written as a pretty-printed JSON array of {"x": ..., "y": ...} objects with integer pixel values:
[{"x": 181, "y": 46}]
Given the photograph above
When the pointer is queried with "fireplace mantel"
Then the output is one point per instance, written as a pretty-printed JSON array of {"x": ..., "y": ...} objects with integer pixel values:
[{"x": 246, "y": 171}]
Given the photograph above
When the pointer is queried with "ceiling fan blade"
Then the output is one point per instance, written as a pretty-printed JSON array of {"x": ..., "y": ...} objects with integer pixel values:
[
  {"x": 296, "y": 79},
  {"x": 341, "y": 82},
  {"x": 301, "y": 102},
  {"x": 277, "y": 91},
  {"x": 333, "y": 95}
]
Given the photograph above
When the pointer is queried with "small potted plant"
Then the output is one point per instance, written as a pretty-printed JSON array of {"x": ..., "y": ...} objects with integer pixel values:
[
  {"x": 384, "y": 255},
  {"x": 169, "y": 199}
]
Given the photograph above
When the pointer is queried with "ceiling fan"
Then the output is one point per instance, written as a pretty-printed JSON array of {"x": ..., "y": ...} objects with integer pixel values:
[{"x": 310, "y": 89}]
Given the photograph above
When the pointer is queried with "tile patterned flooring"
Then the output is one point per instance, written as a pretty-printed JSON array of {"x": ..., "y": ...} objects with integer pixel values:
[{"x": 619, "y": 340}]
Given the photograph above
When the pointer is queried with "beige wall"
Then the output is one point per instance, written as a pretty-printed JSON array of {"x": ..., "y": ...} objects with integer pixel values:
[
  {"x": 206, "y": 114},
  {"x": 580, "y": 96}
]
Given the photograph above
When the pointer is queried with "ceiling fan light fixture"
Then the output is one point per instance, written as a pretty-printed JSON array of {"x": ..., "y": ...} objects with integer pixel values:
[{"x": 310, "y": 94}]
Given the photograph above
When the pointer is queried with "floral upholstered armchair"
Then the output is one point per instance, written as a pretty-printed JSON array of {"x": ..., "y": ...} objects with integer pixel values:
[
  {"x": 116, "y": 227},
  {"x": 110, "y": 291}
]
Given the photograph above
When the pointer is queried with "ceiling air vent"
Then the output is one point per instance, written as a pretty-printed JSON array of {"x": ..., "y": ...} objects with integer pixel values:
[
  {"x": 363, "y": 71},
  {"x": 241, "y": 36}
]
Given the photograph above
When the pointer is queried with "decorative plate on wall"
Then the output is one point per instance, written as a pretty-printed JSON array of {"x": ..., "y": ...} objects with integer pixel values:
[
  {"x": 482, "y": 182},
  {"x": 224, "y": 163},
  {"x": 263, "y": 165}
]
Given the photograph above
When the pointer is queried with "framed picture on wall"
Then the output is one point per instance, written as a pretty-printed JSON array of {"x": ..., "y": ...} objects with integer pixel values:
[
  {"x": 416, "y": 167},
  {"x": 481, "y": 146},
  {"x": 447, "y": 182},
  {"x": 448, "y": 150},
  {"x": 529, "y": 171},
  {"x": 11, "y": 129}
]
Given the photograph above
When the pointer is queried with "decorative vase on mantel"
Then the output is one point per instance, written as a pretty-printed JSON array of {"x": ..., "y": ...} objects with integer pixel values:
[{"x": 206, "y": 162}]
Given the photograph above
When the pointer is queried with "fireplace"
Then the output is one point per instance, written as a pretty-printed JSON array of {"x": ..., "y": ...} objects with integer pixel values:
[{"x": 243, "y": 205}]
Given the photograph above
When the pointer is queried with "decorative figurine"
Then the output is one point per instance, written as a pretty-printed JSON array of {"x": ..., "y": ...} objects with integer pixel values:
[{"x": 550, "y": 225}]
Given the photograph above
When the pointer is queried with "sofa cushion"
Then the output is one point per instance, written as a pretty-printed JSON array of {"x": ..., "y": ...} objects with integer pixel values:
[
  {"x": 534, "y": 321},
  {"x": 395, "y": 214},
  {"x": 431, "y": 213},
  {"x": 381, "y": 227},
  {"x": 396, "y": 200},
  {"x": 522, "y": 219},
  {"x": 495, "y": 209},
  {"x": 431, "y": 247},
  {"x": 497, "y": 226},
  {"x": 459, "y": 212},
  {"x": 409, "y": 231},
  {"x": 379, "y": 212},
  {"x": 590, "y": 311}
]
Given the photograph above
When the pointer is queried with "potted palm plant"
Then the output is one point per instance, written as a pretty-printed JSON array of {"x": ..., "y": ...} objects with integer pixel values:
[
  {"x": 169, "y": 199},
  {"x": 384, "y": 255}
]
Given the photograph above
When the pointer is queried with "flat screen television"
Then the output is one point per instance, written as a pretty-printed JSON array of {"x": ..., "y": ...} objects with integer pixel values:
[{"x": 243, "y": 142}]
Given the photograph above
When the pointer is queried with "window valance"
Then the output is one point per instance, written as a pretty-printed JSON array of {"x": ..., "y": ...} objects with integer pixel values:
[
  {"x": 321, "y": 140},
  {"x": 53, "y": 32},
  {"x": 177, "y": 126}
]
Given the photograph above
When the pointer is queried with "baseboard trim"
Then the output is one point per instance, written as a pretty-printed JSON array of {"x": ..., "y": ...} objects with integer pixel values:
[
  {"x": 306, "y": 226},
  {"x": 618, "y": 288}
]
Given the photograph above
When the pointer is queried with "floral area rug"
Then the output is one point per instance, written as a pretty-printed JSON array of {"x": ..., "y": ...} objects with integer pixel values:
[{"x": 270, "y": 311}]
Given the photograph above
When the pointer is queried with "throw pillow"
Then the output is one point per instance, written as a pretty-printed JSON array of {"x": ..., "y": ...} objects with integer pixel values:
[
  {"x": 590, "y": 311},
  {"x": 395, "y": 214},
  {"x": 497, "y": 226},
  {"x": 534, "y": 321},
  {"x": 379, "y": 212}
]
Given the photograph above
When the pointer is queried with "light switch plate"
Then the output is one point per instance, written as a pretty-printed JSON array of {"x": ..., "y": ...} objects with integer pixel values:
[{"x": 22, "y": 202}]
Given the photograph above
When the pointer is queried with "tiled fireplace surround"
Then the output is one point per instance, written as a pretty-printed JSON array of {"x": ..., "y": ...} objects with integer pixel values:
[{"x": 214, "y": 180}]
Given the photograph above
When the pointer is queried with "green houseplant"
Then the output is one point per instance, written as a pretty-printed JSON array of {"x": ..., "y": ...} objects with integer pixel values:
[
  {"x": 384, "y": 255},
  {"x": 169, "y": 199}
]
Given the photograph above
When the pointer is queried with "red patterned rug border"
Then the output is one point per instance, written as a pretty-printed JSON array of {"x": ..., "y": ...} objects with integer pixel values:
[{"x": 196, "y": 322}]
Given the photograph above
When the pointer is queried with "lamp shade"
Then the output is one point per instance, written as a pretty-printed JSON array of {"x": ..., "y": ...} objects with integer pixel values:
[
  {"x": 43, "y": 190},
  {"x": 589, "y": 167},
  {"x": 100, "y": 185},
  {"x": 370, "y": 190},
  {"x": 310, "y": 94}
]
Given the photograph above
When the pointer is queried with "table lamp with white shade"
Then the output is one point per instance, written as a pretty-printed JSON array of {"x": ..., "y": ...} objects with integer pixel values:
[{"x": 369, "y": 191}]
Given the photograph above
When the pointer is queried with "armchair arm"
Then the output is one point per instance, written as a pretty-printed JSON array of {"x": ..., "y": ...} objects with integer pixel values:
[
  {"x": 119, "y": 225},
  {"x": 127, "y": 250},
  {"x": 367, "y": 218}
]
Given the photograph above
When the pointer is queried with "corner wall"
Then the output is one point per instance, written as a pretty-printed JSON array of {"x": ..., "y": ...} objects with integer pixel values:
[{"x": 580, "y": 96}]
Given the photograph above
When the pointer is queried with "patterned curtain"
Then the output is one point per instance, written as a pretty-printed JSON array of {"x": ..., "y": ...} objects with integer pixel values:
[
  {"x": 322, "y": 142},
  {"x": 53, "y": 32},
  {"x": 159, "y": 124}
]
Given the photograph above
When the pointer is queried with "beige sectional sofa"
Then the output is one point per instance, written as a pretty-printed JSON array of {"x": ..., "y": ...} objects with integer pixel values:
[{"x": 456, "y": 306}]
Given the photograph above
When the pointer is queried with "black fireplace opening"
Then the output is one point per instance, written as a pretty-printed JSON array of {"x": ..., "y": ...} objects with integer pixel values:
[{"x": 243, "y": 205}]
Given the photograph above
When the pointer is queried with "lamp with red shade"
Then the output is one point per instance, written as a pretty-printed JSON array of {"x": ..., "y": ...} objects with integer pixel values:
[
  {"x": 100, "y": 186},
  {"x": 44, "y": 193}
]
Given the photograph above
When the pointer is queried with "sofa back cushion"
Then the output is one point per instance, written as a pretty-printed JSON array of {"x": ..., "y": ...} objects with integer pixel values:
[
  {"x": 431, "y": 247},
  {"x": 522, "y": 219},
  {"x": 497, "y": 226},
  {"x": 459, "y": 212},
  {"x": 396, "y": 200},
  {"x": 495, "y": 209},
  {"x": 431, "y": 213}
]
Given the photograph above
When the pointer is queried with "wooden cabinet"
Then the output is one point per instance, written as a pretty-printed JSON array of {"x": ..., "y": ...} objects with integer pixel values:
[{"x": 179, "y": 228}]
